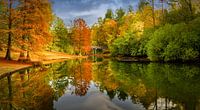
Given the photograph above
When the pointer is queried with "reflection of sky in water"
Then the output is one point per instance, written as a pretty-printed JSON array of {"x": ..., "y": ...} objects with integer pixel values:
[
  {"x": 175, "y": 87},
  {"x": 93, "y": 100}
]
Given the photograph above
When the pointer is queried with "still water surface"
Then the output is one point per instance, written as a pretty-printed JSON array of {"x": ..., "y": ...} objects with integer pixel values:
[{"x": 105, "y": 85}]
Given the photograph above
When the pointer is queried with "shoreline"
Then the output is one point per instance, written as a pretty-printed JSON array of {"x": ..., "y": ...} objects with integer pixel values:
[
  {"x": 146, "y": 60},
  {"x": 9, "y": 67}
]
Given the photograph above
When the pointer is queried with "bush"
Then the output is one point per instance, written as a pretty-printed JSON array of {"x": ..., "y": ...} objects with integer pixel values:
[
  {"x": 127, "y": 45},
  {"x": 195, "y": 24},
  {"x": 122, "y": 45},
  {"x": 173, "y": 42},
  {"x": 144, "y": 40},
  {"x": 131, "y": 45}
]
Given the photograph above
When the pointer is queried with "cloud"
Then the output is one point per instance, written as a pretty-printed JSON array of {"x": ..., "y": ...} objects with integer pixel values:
[
  {"x": 85, "y": 103},
  {"x": 89, "y": 10}
]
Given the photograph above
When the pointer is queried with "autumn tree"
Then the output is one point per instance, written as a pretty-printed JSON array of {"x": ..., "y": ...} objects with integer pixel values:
[
  {"x": 97, "y": 34},
  {"x": 81, "y": 36},
  {"x": 2, "y": 26},
  {"x": 104, "y": 33},
  {"x": 148, "y": 14},
  {"x": 7, "y": 21},
  {"x": 33, "y": 25}
]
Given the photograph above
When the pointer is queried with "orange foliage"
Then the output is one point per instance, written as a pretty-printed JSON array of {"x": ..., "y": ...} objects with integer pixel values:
[
  {"x": 86, "y": 41},
  {"x": 87, "y": 70},
  {"x": 81, "y": 36},
  {"x": 111, "y": 23},
  {"x": 82, "y": 78},
  {"x": 34, "y": 22}
]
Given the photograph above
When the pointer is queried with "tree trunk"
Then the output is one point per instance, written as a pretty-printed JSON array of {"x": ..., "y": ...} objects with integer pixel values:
[
  {"x": 163, "y": 11},
  {"x": 8, "y": 53},
  {"x": 28, "y": 58},
  {"x": 153, "y": 13},
  {"x": 22, "y": 57},
  {"x": 190, "y": 8}
]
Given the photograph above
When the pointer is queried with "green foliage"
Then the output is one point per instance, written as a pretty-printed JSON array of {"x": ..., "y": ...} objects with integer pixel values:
[
  {"x": 120, "y": 46},
  {"x": 194, "y": 25},
  {"x": 177, "y": 16},
  {"x": 175, "y": 37},
  {"x": 142, "y": 4},
  {"x": 119, "y": 15},
  {"x": 150, "y": 81},
  {"x": 144, "y": 40},
  {"x": 127, "y": 45},
  {"x": 61, "y": 39},
  {"x": 130, "y": 9},
  {"x": 109, "y": 14},
  {"x": 173, "y": 42}
]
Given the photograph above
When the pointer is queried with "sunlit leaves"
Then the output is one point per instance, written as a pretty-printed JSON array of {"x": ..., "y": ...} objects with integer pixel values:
[
  {"x": 33, "y": 26},
  {"x": 81, "y": 37}
]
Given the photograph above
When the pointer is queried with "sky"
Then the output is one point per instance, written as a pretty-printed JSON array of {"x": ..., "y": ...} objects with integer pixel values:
[{"x": 89, "y": 10}]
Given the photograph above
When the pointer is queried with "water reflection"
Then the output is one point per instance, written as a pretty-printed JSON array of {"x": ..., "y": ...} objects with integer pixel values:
[
  {"x": 26, "y": 91},
  {"x": 83, "y": 84}
]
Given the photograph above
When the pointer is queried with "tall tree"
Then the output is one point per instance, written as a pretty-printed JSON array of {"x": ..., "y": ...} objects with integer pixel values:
[
  {"x": 34, "y": 25},
  {"x": 61, "y": 40},
  {"x": 2, "y": 38},
  {"x": 104, "y": 33},
  {"x": 119, "y": 14},
  {"x": 8, "y": 15},
  {"x": 81, "y": 36},
  {"x": 181, "y": 11},
  {"x": 109, "y": 14},
  {"x": 153, "y": 11},
  {"x": 187, "y": 7},
  {"x": 8, "y": 53},
  {"x": 148, "y": 13},
  {"x": 130, "y": 9},
  {"x": 142, "y": 4}
]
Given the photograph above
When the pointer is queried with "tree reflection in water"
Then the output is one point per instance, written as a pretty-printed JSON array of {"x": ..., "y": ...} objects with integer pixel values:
[
  {"x": 82, "y": 77},
  {"x": 156, "y": 86},
  {"x": 129, "y": 86},
  {"x": 25, "y": 93}
]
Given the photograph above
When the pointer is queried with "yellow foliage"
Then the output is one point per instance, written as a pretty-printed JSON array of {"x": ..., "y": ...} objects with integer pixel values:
[{"x": 140, "y": 90}]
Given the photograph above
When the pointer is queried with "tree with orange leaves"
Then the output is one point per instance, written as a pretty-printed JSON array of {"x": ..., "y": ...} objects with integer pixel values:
[
  {"x": 33, "y": 26},
  {"x": 7, "y": 20},
  {"x": 26, "y": 24},
  {"x": 81, "y": 37}
]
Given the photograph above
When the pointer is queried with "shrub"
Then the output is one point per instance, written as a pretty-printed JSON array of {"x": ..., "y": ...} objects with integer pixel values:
[{"x": 173, "y": 42}]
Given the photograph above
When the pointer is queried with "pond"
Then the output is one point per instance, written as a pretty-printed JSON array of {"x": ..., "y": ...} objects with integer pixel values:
[{"x": 103, "y": 85}]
